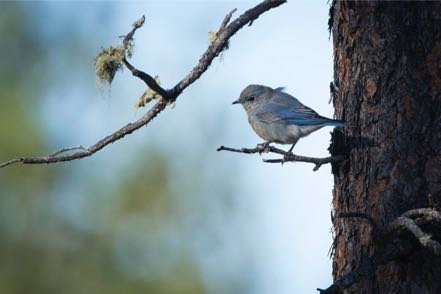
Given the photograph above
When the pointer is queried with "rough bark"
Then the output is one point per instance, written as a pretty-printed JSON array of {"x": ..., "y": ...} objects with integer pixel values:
[{"x": 387, "y": 85}]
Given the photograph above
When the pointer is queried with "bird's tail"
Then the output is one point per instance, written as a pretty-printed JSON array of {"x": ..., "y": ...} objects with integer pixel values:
[{"x": 335, "y": 123}]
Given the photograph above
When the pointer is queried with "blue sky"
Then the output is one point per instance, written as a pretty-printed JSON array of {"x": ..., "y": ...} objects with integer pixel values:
[
  {"x": 289, "y": 234},
  {"x": 277, "y": 234}
]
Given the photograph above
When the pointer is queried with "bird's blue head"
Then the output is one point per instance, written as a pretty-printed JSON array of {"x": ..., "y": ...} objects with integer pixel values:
[{"x": 253, "y": 95}]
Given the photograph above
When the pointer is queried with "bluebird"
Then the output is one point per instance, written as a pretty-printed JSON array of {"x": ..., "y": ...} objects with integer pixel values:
[{"x": 279, "y": 117}]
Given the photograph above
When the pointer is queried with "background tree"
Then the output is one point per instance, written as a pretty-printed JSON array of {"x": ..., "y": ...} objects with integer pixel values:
[{"x": 387, "y": 85}]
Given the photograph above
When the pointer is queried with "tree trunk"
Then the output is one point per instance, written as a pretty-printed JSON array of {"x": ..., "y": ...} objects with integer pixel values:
[{"x": 387, "y": 86}]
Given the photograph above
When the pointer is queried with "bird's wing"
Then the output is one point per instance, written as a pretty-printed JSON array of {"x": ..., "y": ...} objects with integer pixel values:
[{"x": 283, "y": 108}]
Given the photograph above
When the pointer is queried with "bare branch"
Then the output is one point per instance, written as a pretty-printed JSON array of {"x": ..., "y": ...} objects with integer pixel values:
[
  {"x": 348, "y": 279},
  {"x": 127, "y": 129},
  {"x": 67, "y": 149},
  {"x": 148, "y": 79},
  {"x": 425, "y": 239},
  {"x": 129, "y": 37},
  {"x": 426, "y": 214},
  {"x": 227, "y": 31},
  {"x": 10, "y": 162},
  {"x": 221, "y": 41},
  {"x": 317, "y": 161},
  {"x": 226, "y": 20},
  {"x": 287, "y": 156}
]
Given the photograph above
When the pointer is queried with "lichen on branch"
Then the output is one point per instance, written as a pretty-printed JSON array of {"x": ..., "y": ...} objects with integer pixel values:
[
  {"x": 110, "y": 60},
  {"x": 107, "y": 62},
  {"x": 147, "y": 96}
]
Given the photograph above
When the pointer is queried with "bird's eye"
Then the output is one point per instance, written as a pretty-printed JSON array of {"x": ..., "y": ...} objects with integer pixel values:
[{"x": 251, "y": 98}]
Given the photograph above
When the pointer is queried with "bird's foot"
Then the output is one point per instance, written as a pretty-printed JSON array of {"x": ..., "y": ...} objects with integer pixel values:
[
  {"x": 285, "y": 159},
  {"x": 262, "y": 147},
  {"x": 288, "y": 157}
]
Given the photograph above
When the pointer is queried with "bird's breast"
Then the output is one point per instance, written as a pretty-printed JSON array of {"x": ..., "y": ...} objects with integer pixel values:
[{"x": 272, "y": 132}]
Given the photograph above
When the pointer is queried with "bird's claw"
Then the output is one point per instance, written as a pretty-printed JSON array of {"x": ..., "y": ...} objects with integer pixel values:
[
  {"x": 284, "y": 159},
  {"x": 287, "y": 158},
  {"x": 262, "y": 147}
]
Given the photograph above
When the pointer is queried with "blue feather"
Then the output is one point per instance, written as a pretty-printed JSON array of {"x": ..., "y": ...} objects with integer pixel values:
[{"x": 315, "y": 122}]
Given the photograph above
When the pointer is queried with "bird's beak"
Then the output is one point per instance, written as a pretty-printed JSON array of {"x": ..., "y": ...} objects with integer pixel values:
[{"x": 236, "y": 102}]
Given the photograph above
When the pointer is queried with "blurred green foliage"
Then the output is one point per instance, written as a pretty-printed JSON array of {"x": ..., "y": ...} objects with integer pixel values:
[
  {"x": 62, "y": 231},
  {"x": 21, "y": 52}
]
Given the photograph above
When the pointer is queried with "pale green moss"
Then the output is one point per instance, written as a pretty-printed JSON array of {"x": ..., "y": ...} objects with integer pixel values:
[
  {"x": 109, "y": 60},
  {"x": 425, "y": 239},
  {"x": 147, "y": 96},
  {"x": 107, "y": 63},
  {"x": 212, "y": 36}
]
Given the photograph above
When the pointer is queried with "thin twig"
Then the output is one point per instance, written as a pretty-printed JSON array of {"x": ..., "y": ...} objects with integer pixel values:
[
  {"x": 221, "y": 41},
  {"x": 391, "y": 252},
  {"x": 424, "y": 215},
  {"x": 348, "y": 279},
  {"x": 425, "y": 239},
  {"x": 428, "y": 214},
  {"x": 136, "y": 25},
  {"x": 65, "y": 149},
  {"x": 169, "y": 96},
  {"x": 317, "y": 161},
  {"x": 287, "y": 156},
  {"x": 148, "y": 79},
  {"x": 226, "y": 20},
  {"x": 12, "y": 161}
]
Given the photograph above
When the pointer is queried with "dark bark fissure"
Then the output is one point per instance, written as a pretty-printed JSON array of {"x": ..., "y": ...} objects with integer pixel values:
[{"x": 387, "y": 85}]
